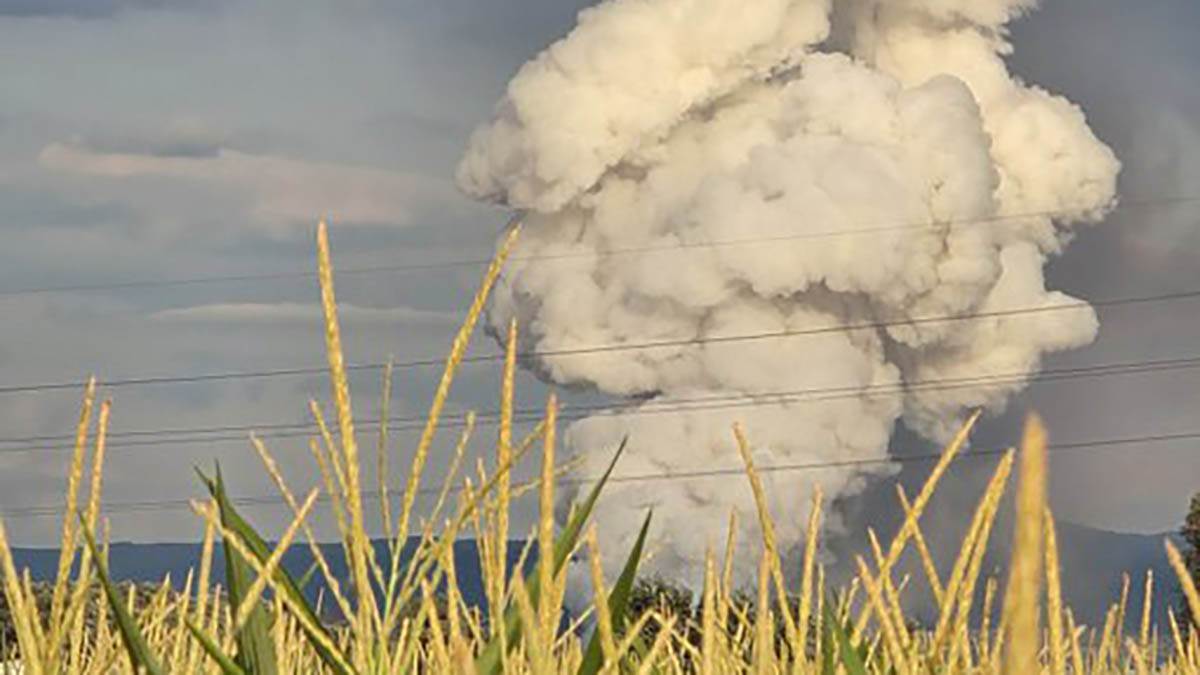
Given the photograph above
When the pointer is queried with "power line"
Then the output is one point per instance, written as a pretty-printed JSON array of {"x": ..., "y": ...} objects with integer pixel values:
[
  {"x": 617, "y": 347},
  {"x": 29, "y": 512},
  {"x": 166, "y": 437},
  {"x": 483, "y": 262}
]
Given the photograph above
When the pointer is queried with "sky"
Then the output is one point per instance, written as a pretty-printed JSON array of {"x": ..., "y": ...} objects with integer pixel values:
[{"x": 149, "y": 140}]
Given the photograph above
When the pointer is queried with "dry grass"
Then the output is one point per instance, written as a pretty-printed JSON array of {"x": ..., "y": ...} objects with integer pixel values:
[{"x": 397, "y": 623}]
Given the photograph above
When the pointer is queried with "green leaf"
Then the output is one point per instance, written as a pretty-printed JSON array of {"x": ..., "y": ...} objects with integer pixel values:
[
  {"x": 570, "y": 535},
  {"x": 618, "y": 601},
  {"x": 314, "y": 630},
  {"x": 491, "y": 659},
  {"x": 135, "y": 644},
  {"x": 307, "y": 577},
  {"x": 228, "y": 665},
  {"x": 851, "y": 658},
  {"x": 256, "y": 650}
]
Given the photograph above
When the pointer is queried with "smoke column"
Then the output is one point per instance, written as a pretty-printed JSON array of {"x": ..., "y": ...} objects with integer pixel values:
[{"x": 692, "y": 170}]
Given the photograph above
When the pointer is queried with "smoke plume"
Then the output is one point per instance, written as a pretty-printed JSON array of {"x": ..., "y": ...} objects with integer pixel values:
[{"x": 738, "y": 179}]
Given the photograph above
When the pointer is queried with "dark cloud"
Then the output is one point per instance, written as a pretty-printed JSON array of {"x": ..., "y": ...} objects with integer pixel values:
[
  {"x": 188, "y": 139},
  {"x": 532, "y": 24},
  {"x": 510, "y": 32},
  {"x": 89, "y": 9},
  {"x": 1132, "y": 69},
  {"x": 192, "y": 148}
]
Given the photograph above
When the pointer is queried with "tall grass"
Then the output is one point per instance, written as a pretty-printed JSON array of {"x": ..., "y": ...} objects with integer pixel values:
[{"x": 408, "y": 614}]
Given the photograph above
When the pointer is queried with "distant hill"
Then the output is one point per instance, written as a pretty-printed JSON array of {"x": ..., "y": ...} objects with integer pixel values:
[
  {"x": 1093, "y": 561},
  {"x": 153, "y": 562}
]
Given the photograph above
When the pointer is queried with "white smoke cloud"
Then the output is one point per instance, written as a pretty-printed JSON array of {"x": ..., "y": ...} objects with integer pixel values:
[{"x": 783, "y": 166}]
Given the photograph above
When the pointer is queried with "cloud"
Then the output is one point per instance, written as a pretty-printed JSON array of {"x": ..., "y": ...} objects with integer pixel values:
[
  {"x": 281, "y": 192},
  {"x": 186, "y": 139},
  {"x": 1141, "y": 101},
  {"x": 88, "y": 9},
  {"x": 291, "y": 313},
  {"x": 526, "y": 25}
]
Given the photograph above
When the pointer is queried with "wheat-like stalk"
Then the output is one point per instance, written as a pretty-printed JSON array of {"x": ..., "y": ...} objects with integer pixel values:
[{"x": 1025, "y": 581}]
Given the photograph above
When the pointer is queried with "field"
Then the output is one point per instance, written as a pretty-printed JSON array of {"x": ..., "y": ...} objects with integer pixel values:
[{"x": 412, "y": 618}]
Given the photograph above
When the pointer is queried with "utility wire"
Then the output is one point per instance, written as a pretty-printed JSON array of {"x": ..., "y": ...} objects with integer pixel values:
[
  {"x": 483, "y": 262},
  {"x": 619, "y": 347},
  {"x": 164, "y": 437},
  {"x": 28, "y": 512}
]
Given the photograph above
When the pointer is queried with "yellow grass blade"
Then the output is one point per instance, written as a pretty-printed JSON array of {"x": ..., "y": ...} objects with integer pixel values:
[
  {"x": 1147, "y": 607},
  {"x": 330, "y": 578},
  {"x": 806, "y": 575},
  {"x": 985, "y": 635},
  {"x": 918, "y": 507},
  {"x": 503, "y": 486},
  {"x": 437, "y": 639},
  {"x": 981, "y": 521},
  {"x": 931, "y": 573},
  {"x": 532, "y": 637},
  {"x": 764, "y": 647},
  {"x": 1186, "y": 583},
  {"x": 1058, "y": 657},
  {"x": 891, "y": 637},
  {"x": 457, "y": 350},
  {"x": 1104, "y": 654},
  {"x": 83, "y": 581},
  {"x": 271, "y": 565},
  {"x": 768, "y": 532},
  {"x": 1025, "y": 580},
  {"x": 382, "y": 474},
  {"x": 1177, "y": 638},
  {"x": 1135, "y": 654},
  {"x": 453, "y": 600},
  {"x": 452, "y": 472},
  {"x": 891, "y": 596},
  {"x": 1076, "y": 652},
  {"x": 367, "y": 614},
  {"x": 68, "y": 542},
  {"x": 323, "y": 455},
  {"x": 727, "y": 565},
  {"x": 650, "y": 660},
  {"x": 546, "y": 609},
  {"x": 708, "y": 620},
  {"x": 22, "y": 608},
  {"x": 1119, "y": 624},
  {"x": 604, "y": 624}
]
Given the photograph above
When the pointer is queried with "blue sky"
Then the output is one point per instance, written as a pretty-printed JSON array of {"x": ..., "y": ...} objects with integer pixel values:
[{"x": 157, "y": 139}]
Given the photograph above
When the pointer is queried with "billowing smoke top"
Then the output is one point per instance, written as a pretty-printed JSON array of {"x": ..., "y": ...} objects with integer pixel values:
[{"x": 697, "y": 172}]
